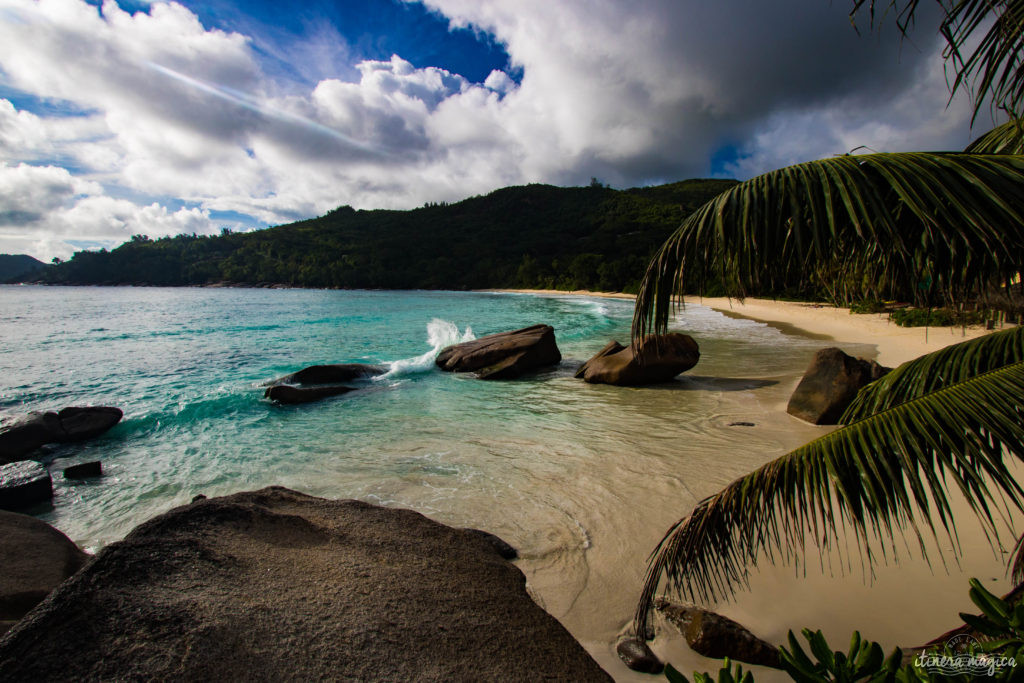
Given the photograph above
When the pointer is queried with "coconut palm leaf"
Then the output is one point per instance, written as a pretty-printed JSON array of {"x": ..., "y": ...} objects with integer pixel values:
[
  {"x": 935, "y": 370},
  {"x": 915, "y": 225},
  {"x": 1005, "y": 139},
  {"x": 992, "y": 68},
  {"x": 880, "y": 477}
]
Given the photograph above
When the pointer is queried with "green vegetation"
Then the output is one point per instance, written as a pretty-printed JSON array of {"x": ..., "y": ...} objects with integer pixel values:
[
  {"x": 536, "y": 236},
  {"x": 15, "y": 266}
]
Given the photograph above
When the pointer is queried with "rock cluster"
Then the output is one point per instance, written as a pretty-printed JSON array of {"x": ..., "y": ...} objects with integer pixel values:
[
  {"x": 277, "y": 585},
  {"x": 830, "y": 384},
  {"x": 505, "y": 355}
]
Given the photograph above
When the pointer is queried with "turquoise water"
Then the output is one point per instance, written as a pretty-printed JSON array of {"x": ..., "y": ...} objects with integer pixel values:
[{"x": 583, "y": 479}]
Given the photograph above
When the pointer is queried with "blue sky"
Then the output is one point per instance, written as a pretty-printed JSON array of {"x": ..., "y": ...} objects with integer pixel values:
[{"x": 119, "y": 118}]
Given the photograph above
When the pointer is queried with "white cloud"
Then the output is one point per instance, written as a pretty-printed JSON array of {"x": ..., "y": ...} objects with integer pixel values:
[{"x": 628, "y": 92}]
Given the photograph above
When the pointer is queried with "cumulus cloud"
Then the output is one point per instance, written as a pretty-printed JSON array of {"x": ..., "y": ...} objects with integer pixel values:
[{"x": 632, "y": 93}]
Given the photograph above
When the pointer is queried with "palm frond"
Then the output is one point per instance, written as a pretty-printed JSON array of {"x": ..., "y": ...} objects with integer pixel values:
[
  {"x": 935, "y": 370},
  {"x": 880, "y": 477},
  {"x": 1005, "y": 139},
  {"x": 990, "y": 69},
  {"x": 916, "y": 225}
]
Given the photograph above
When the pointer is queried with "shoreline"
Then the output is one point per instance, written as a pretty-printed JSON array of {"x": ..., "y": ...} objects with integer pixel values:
[{"x": 895, "y": 344}]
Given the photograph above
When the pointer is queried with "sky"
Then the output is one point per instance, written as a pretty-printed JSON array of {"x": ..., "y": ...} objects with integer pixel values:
[{"x": 125, "y": 117}]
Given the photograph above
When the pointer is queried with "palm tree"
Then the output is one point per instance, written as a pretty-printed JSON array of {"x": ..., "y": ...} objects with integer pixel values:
[{"x": 925, "y": 227}]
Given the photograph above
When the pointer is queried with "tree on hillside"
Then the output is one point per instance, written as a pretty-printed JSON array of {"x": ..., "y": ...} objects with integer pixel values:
[{"x": 930, "y": 227}]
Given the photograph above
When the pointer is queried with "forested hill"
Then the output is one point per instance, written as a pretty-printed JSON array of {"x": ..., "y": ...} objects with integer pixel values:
[
  {"x": 535, "y": 236},
  {"x": 13, "y": 266}
]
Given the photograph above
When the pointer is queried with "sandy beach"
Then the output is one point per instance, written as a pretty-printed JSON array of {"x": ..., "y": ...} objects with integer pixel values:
[{"x": 903, "y": 603}]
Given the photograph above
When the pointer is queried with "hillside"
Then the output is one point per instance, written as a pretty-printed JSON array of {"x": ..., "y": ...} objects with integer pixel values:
[
  {"x": 13, "y": 266},
  {"x": 534, "y": 236}
]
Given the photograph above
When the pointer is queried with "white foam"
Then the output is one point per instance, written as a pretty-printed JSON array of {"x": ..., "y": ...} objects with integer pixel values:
[{"x": 440, "y": 334}]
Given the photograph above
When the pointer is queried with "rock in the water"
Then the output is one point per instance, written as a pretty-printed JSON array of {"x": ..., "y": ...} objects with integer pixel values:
[
  {"x": 656, "y": 358},
  {"x": 503, "y": 548},
  {"x": 332, "y": 374},
  {"x": 23, "y": 484},
  {"x": 715, "y": 636},
  {"x": 70, "y": 424},
  {"x": 638, "y": 656},
  {"x": 84, "y": 470},
  {"x": 285, "y": 393},
  {"x": 37, "y": 558},
  {"x": 505, "y": 355},
  {"x": 276, "y": 585},
  {"x": 830, "y": 385}
]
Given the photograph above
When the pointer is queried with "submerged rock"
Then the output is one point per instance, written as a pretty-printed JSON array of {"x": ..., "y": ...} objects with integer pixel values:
[
  {"x": 277, "y": 585},
  {"x": 830, "y": 384},
  {"x": 332, "y": 374},
  {"x": 68, "y": 425},
  {"x": 636, "y": 654},
  {"x": 84, "y": 470},
  {"x": 24, "y": 484},
  {"x": 37, "y": 558},
  {"x": 715, "y": 636},
  {"x": 655, "y": 359},
  {"x": 284, "y": 393},
  {"x": 505, "y": 355}
]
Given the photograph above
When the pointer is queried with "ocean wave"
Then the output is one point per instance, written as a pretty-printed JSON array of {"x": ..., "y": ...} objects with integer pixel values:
[{"x": 440, "y": 334}]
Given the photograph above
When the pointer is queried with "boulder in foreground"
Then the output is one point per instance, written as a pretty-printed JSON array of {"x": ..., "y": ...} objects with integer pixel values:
[
  {"x": 830, "y": 384},
  {"x": 505, "y": 355},
  {"x": 68, "y": 425},
  {"x": 715, "y": 636},
  {"x": 655, "y": 359},
  {"x": 37, "y": 558},
  {"x": 24, "y": 484},
  {"x": 319, "y": 381},
  {"x": 276, "y": 585}
]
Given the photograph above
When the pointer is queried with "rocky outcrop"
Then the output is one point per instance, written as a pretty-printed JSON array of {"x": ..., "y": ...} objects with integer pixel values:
[
  {"x": 84, "y": 470},
  {"x": 276, "y": 585},
  {"x": 24, "y": 484},
  {"x": 654, "y": 359},
  {"x": 830, "y": 384},
  {"x": 505, "y": 355},
  {"x": 715, "y": 636},
  {"x": 37, "y": 558},
  {"x": 320, "y": 381},
  {"x": 20, "y": 439}
]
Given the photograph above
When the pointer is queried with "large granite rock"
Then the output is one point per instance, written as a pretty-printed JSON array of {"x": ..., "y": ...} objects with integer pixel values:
[
  {"x": 24, "y": 484},
  {"x": 715, "y": 636},
  {"x": 284, "y": 393},
  {"x": 505, "y": 355},
  {"x": 830, "y": 384},
  {"x": 656, "y": 358},
  {"x": 275, "y": 585},
  {"x": 37, "y": 558},
  {"x": 69, "y": 424}
]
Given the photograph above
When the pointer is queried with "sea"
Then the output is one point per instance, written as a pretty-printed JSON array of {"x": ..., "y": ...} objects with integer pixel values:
[{"x": 582, "y": 479}]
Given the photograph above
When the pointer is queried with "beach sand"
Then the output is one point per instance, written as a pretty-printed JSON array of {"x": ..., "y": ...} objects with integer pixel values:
[{"x": 902, "y": 603}]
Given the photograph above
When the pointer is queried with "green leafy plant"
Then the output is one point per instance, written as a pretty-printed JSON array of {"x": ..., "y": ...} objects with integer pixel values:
[
  {"x": 923, "y": 317},
  {"x": 864, "y": 661},
  {"x": 731, "y": 672}
]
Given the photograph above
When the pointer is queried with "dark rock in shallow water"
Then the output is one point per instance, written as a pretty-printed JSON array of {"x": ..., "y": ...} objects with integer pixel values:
[
  {"x": 23, "y": 484},
  {"x": 830, "y": 385},
  {"x": 638, "y": 656},
  {"x": 284, "y": 393},
  {"x": 37, "y": 558},
  {"x": 332, "y": 374},
  {"x": 275, "y": 585},
  {"x": 504, "y": 549},
  {"x": 715, "y": 636},
  {"x": 656, "y": 358},
  {"x": 505, "y": 355},
  {"x": 84, "y": 470},
  {"x": 68, "y": 425}
]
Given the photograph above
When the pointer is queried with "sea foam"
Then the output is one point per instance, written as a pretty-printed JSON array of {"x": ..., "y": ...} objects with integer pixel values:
[{"x": 440, "y": 334}]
